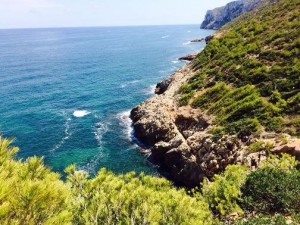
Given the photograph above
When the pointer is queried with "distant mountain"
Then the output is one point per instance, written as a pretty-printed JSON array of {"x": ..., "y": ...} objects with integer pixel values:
[{"x": 217, "y": 17}]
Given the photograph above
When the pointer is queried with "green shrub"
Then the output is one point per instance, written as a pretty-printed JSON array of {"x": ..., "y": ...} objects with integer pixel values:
[
  {"x": 294, "y": 126},
  {"x": 275, "y": 124},
  {"x": 211, "y": 96},
  {"x": 260, "y": 146},
  {"x": 244, "y": 126},
  {"x": 29, "y": 192},
  {"x": 293, "y": 104},
  {"x": 217, "y": 133},
  {"x": 184, "y": 100},
  {"x": 223, "y": 193},
  {"x": 131, "y": 199},
  {"x": 283, "y": 162},
  {"x": 272, "y": 190},
  {"x": 275, "y": 97}
]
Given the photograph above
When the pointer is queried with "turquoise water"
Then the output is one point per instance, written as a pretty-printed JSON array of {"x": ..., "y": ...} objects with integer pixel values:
[{"x": 66, "y": 93}]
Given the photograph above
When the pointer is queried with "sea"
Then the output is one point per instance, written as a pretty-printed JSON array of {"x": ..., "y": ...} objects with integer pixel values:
[{"x": 66, "y": 93}]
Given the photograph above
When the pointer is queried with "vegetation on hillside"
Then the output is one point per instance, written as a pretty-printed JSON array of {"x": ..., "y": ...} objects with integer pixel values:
[
  {"x": 31, "y": 193},
  {"x": 249, "y": 74}
]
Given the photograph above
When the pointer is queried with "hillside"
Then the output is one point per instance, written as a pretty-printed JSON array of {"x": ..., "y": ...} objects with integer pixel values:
[
  {"x": 216, "y": 18},
  {"x": 251, "y": 73},
  {"x": 236, "y": 103}
]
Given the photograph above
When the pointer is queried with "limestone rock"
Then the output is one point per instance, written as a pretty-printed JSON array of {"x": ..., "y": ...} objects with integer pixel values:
[{"x": 216, "y": 18}]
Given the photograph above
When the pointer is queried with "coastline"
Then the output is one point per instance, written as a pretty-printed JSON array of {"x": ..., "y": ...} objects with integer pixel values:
[{"x": 178, "y": 138}]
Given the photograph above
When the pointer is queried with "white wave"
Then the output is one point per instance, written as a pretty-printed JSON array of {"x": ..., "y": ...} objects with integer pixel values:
[
  {"x": 175, "y": 61},
  {"x": 81, "y": 113},
  {"x": 126, "y": 123},
  {"x": 99, "y": 130},
  {"x": 189, "y": 31},
  {"x": 187, "y": 43},
  {"x": 150, "y": 90},
  {"x": 67, "y": 135},
  {"x": 133, "y": 81},
  {"x": 129, "y": 82},
  {"x": 166, "y": 36}
]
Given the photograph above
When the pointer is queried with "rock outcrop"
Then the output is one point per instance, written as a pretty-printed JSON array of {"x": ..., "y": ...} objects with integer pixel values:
[
  {"x": 216, "y": 18},
  {"x": 189, "y": 57}
]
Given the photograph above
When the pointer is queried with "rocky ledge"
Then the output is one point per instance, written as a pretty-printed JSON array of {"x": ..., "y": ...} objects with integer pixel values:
[
  {"x": 189, "y": 57},
  {"x": 179, "y": 140}
]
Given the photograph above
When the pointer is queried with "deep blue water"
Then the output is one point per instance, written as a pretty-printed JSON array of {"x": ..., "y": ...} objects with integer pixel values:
[{"x": 66, "y": 93}]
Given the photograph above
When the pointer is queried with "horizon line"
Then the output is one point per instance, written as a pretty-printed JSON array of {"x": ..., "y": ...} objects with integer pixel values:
[{"x": 101, "y": 26}]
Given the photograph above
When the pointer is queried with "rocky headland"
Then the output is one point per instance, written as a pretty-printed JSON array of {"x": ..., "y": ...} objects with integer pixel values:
[
  {"x": 216, "y": 18},
  {"x": 179, "y": 140}
]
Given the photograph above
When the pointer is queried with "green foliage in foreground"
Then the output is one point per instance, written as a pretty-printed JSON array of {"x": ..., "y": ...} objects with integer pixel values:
[
  {"x": 31, "y": 194},
  {"x": 128, "y": 199},
  {"x": 250, "y": 72},
  {"x": 273, "y": 188}
]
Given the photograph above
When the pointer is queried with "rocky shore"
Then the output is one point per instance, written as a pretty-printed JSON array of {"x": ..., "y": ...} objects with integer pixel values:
[{"x": 179, "y": 140}]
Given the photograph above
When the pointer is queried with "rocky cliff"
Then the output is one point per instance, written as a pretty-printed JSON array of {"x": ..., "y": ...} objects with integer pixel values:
[{"x": 217, "y": 17}]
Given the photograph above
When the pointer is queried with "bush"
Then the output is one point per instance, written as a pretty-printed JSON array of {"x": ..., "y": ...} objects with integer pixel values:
[
  {"x": 211, "y": 96},
  {"x": 260, "y": 146},
  {"x": 184, "y": 100},
  {"x": 223, "y": 193},
  {"x": 272, "y": 190},
  {"x": 131, "y": 199},
  {"x": 29, "y": 192},
  {"x": 293, "y": 103},
  {"x": 217, "y": 133}
]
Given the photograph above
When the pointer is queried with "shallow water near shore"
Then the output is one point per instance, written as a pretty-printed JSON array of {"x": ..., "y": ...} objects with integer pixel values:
[{"x": 66, "y": 93}]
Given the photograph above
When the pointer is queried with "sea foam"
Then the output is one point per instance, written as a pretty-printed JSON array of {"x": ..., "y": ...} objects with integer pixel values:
[
  {"x": 126, "y": 123},
  {"x": 150, "y": 90},
  {"x": 67, "y": 135},
  {"x": 81, "y": 113}
]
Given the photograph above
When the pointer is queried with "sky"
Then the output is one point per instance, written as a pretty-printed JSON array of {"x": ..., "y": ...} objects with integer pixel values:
[{"x": 81, "y": 13}]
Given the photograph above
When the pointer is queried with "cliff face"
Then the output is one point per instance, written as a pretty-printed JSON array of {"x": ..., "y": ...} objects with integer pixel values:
[
  {"x": 216, "y": 18},
  {"x": 235, "y": 103}
]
